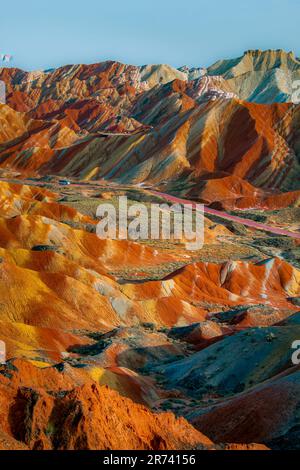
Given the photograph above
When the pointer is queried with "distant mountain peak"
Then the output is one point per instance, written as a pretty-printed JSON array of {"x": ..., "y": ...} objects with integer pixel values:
[{"x": 259, "y": 52}]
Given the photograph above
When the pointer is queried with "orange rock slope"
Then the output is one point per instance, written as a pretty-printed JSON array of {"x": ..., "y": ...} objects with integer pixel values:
[
  {"x": 73, "y": 321},
  {"x": 87, "y": 417}
]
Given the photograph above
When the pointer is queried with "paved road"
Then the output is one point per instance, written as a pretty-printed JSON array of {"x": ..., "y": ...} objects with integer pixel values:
[
  {"x": 207, "y": 210},
  {"x": 234, "y": 218}
]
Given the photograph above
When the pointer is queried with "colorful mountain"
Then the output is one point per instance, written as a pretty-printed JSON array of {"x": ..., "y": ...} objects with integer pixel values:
[{"x": 176, "y": 349}]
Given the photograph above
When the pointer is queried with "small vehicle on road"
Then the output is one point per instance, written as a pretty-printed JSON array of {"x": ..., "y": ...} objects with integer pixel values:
[{"x": 64, "y": 182}]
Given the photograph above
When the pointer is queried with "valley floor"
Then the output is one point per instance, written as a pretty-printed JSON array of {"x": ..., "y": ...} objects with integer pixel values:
[{"x": 116, "y": 344}]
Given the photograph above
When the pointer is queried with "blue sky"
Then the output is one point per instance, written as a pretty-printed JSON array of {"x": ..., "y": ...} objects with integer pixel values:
[{"x": 43, "y": 34}]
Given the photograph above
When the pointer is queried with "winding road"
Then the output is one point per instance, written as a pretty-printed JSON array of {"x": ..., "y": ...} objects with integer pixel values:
[
  {"x": 233, "y": 218},
  {"x": 207, "y": 210}
]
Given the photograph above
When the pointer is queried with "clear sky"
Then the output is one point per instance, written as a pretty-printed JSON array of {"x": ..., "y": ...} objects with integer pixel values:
[{"x": 47, "y": 33}]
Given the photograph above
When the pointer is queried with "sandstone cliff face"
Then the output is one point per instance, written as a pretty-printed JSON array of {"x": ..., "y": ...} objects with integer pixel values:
[
  {"x": 95, "y": 418},
  {"x": 52, "y": 414},
  {"x": 261, "y": 76}
]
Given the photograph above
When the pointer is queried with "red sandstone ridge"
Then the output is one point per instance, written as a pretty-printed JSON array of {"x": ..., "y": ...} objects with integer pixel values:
[
  {"x": 227, "y": 151},
  {"x": 156, "y": 124},
  {"x": 87, "y": 417},
  {"x": 93, "y": 417}
]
